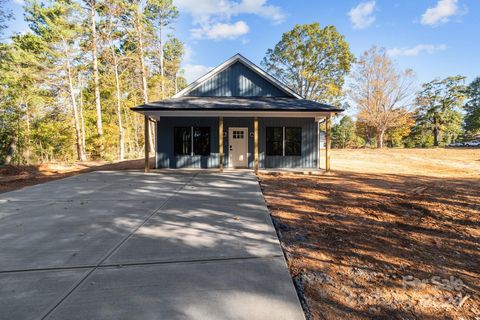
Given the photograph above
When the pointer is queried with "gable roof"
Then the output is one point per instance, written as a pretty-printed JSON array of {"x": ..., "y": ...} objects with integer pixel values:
[{"x": 238, "y": 58}]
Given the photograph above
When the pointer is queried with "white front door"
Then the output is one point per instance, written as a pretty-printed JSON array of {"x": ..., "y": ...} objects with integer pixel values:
[{"x": 238, "y": 147}]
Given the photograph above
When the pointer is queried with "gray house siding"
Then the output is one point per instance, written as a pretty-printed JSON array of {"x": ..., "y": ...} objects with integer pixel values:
[
  {"x": 309, "y": 156},
  {"x": 167, "y": 159},
  {"x": 237, "y": 81}
]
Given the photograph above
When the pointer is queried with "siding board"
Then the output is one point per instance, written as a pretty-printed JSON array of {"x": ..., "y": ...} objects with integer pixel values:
[
  {"x": 167, "y": 159},
  {"x": 237, "y": 81}
]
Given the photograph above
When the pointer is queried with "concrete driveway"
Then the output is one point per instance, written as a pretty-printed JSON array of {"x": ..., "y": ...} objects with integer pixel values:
[{"x": 130, "y": 245}]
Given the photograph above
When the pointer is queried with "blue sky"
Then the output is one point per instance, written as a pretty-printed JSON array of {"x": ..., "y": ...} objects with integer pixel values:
[{"x": 436, "y": 38}]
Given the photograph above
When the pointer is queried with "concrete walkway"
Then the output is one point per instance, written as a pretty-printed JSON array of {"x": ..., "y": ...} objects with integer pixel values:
[{"x": 130, "y": 245}]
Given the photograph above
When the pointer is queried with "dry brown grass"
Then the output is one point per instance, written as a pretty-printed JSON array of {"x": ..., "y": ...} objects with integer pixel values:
[
  {"x": 428, "y": 162},
  {"x": 354, "y": 238}
]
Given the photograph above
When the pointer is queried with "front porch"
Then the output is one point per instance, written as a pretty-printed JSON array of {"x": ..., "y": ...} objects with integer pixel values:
[{"x": 279, "y": 140}]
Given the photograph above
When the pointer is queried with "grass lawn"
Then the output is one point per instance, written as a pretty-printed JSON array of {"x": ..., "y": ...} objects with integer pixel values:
[{"x": 391, "y": 234}]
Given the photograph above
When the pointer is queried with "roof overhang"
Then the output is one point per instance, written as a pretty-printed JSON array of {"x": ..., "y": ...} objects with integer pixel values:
[{"x": 157, "y": 114}]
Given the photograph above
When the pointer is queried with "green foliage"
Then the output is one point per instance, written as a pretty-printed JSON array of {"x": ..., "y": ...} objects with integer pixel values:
[
  {"x": 438, "y": 110},
  {"x": 343, "y": 133},
  {"x": 313, "y": 61},
  {"x": 472, "y": 108},
  {"x": 162, "y": 12},
  {"x": 53, "y": 138},
  {"x": 173, "y": 52},
  {"x": 44, "y": 73},
  {"x": 396, "y": 135}
]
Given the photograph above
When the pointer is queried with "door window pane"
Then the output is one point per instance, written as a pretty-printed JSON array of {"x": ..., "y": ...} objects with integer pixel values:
[
  {"x": 274, "y": 141},
  {"x": 182, "y": 140},
  {"x": 293, "y": 141},
  {"x": 238, "y": 134},
  {"x": 201, "y": 141}
]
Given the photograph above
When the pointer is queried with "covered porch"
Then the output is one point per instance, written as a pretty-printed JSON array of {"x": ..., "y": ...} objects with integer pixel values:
[{"x": 258, "y": 128}]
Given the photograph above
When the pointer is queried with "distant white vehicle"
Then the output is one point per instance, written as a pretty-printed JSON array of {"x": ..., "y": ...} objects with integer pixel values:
[{"x": 473, "y": 143}]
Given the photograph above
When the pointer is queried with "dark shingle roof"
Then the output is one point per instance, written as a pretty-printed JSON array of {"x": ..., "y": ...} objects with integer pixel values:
[{"x": 237, "y": 104}]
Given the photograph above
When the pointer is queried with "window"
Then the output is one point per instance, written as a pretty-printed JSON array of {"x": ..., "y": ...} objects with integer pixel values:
[
  {"x": 293, "y": 141},
  {"x": 186, "y": 137},
  {"x": 274, "y": 141},
  {"x": 201, "y": 141},
  {"x": 182, "y": 140},
  {"x": 238, "y": 134},
  {"x": 284, "y": 141}
]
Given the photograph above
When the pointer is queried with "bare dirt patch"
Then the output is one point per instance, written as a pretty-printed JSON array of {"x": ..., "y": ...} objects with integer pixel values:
[
  {"x": 391, "y": 234},
  {"x": 16, "y": 177}
]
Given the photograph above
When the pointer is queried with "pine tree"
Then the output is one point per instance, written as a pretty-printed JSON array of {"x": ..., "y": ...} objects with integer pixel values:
[
  {"x": 58, "y": 25},
  {"x": 161, "y": 13}
]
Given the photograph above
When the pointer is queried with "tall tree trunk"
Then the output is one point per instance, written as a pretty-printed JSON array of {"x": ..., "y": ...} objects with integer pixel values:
[
  {"x": 80, "y": 148},
  {"x": 135, "y": 137},
  {"x": 128, "y": 135},
  {"x": 380, "y": 136},
  {"x": 176, "y": 82},
  {"x": 135, "y": 130},
  {"x": 436, "y": 136},
  {"x": 162, "y": 69},
  {"x": 138, "y": 31},
  {"x": 143, "y": 72},
  {"x": 119, "y": 107},
  {"x": 10, "y": 151},
  {"x": 80, "y": 111},
  {"x": 28, "y": 133},
  {"x": 93, "y": 30}
]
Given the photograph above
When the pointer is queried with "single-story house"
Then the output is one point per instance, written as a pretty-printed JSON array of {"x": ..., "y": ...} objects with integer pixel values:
[{"x": 238, "y": 116}]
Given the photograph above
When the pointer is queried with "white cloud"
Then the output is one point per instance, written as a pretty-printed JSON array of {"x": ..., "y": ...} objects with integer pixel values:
[
  {"x": 260, "y": 8},
  {"x": 205, "y": 10},
  {"x": 195, "y": 71},
  {"x": 362, "y": 15},
  {"x": 441, "y": 13},
  {"x": 221, "y": 31},
  {"x": 415, "y": 51},
  {"x": 20, "y": 2},
  {"x": 212, "y": 18}
]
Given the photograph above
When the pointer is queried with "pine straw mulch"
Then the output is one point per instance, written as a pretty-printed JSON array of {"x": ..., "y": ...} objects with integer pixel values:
[{"x": 380, "y": 246}]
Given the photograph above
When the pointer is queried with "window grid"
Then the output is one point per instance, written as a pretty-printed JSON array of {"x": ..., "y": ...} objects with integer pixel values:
[
  {"x": 295, "y": 142},
  {"x": 238, "y": 134},
  {"x": 198, "y": 141}
]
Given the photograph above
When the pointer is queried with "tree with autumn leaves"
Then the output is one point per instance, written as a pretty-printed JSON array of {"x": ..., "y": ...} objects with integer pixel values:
[{"x": 69, "y": 81}]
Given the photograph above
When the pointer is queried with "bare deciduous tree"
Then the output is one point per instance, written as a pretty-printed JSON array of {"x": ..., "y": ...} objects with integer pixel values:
[{"x": 381, "y": 93}]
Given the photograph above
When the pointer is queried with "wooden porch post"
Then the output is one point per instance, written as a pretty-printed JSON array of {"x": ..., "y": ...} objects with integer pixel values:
[
  {"x": 220, "y": 142},
  {"x": 255, "y": 144},
  {"x": 147, "y": 144},
  {"x": 328, "y": 125}
]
